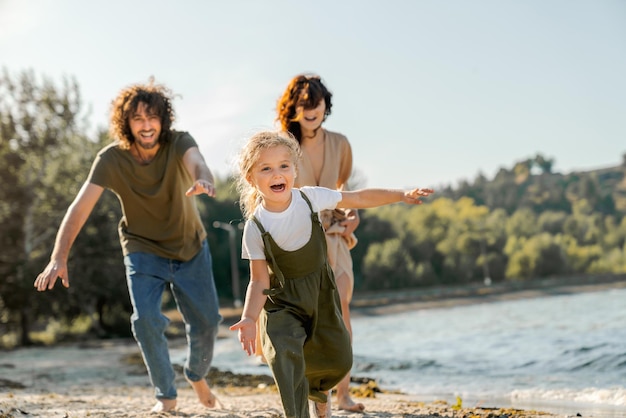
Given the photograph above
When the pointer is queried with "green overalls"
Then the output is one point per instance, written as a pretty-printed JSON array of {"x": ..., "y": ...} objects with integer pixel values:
[{"x": 304, "y": 339}]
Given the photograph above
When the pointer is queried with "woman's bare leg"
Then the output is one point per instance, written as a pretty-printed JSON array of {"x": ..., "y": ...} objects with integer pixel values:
[{"x": 344, "y": 401}]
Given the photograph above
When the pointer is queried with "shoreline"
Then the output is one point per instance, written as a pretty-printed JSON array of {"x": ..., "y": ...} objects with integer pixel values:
[
  {"x": 389, "y": 302},
  {"x": 381, "y": 303},
  {"x": 106, "y": 378}
]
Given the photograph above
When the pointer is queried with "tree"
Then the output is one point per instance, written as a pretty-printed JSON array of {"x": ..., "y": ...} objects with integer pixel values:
[
  {"x": 43, "y": 151},
  {"x": 372, "y": 229},
  {"x": 541, "y": 255},
  {"x": 523, "y": 223},
  {"x": 545, "y": 164},
  {"x": 552, "y": 222},
  {"x": 387, "y": 265}
]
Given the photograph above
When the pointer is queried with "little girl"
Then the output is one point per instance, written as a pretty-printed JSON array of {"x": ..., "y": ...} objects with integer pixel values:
[{"x": 292, "y": 289}]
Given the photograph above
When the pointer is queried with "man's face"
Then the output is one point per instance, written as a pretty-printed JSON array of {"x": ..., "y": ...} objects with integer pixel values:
[{"x": 145, "y": 127}]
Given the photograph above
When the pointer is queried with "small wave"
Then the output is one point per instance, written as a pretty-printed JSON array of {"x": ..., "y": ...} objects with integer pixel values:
[
  {"x": 375, "y": 364},
  {"x": 612, "y": 396},
  {"x": 602, "y": 363},
  {"x": 526, "y": 365},
  {"x": 584, "y": 349}
]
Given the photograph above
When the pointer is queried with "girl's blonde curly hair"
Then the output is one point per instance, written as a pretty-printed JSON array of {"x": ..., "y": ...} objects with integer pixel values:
[{"x": 249, "y": 197}]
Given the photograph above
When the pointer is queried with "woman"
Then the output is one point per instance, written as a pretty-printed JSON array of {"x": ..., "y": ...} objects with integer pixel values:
[{"x": 327, "y": 162}]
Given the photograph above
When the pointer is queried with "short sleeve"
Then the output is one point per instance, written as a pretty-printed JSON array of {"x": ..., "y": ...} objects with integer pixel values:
[
  {"x": 99, "y": 172},
  {"x": 252, "y": 242},
  {"x": 182, "y": 142},
  {"x": 322, "y": 198}
]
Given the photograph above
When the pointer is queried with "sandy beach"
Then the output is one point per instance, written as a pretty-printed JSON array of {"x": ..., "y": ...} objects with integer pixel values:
[{"x": 105, "y": 378}]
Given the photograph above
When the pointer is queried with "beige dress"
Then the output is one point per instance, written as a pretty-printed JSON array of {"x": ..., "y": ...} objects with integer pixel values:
[{"x": 336, "y": 170}]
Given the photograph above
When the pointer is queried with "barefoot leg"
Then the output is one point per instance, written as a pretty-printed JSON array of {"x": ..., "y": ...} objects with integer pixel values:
[
  {"x": 203, "y": 391},
  {"x": 319, "y": 409},
  {"x": 164, "y": 405},
  {"x": 344, "y": 402}
]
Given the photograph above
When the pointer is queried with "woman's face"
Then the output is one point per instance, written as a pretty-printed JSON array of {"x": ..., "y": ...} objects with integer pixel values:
[{"x": 312, "y": 118}]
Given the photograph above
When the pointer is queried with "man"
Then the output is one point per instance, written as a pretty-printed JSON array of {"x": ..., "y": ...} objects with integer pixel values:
[{"x": 155, "y": 172}]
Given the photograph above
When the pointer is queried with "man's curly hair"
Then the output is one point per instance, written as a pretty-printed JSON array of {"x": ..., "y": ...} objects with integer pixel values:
[{"x": 158, "y": 100}]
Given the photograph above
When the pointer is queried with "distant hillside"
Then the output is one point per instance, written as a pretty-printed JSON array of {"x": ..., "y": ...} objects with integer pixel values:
[
  {"x": 612, "y": 181},
  {"x": 532, "y": 184}
]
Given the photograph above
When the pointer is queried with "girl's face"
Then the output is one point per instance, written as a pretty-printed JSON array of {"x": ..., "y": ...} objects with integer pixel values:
[
  {"x": 312, "y": 118},
  {"x": 273, "y": 176}
]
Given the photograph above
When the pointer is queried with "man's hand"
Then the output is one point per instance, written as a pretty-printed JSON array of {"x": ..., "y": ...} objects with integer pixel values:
[
  {"x": 200, "y": 187},
  {"x": 53, "y": 271}
]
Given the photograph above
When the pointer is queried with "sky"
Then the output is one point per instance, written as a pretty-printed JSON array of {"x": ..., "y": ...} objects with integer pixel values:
[{"x": 429, "y": 92}]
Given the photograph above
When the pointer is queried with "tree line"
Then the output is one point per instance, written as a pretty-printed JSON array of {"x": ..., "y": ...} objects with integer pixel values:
[{"x": 525, "y": 223}]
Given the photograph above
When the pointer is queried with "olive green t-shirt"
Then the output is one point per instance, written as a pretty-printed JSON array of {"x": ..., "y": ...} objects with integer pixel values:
[{"x": 157, "y": 217}]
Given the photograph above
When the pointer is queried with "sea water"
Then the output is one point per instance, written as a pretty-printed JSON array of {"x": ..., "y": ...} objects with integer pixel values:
[{"x": 560, "y": 353}]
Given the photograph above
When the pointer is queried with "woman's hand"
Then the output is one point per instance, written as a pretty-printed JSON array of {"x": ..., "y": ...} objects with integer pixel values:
[{"x": 350, "y": 223}]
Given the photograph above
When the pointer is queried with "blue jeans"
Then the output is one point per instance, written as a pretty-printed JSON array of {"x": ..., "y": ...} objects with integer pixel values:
[{"x": 194, "y": 291}]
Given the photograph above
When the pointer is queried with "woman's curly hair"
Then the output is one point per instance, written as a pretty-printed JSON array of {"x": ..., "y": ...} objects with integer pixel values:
[
  {"x": 158, "y": 100},
  {"x": 303, "y": 91}
]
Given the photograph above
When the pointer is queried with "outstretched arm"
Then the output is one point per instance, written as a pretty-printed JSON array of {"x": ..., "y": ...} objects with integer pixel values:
[
  {"x": 370, "y": 198},
  {"x": 255, "y": 299},
  {"x": 72, "y": 223},
  {"x": 203, "y": 181}
]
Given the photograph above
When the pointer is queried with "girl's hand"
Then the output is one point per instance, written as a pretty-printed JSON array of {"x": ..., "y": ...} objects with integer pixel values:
[
  {"x": 247, "y": 334},
  {"x": 414, "y": 196}
]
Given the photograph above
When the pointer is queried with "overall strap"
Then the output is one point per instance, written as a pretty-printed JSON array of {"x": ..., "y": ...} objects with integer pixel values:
[
  {"x": 270, "y": 255},
  {"x": 315, "y": 218},
  {"x": 308, "y": 202}
]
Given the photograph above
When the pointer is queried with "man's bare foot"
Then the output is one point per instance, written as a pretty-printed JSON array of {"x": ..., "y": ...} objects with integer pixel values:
[
  {"x": 164, "y": 405},
  {"x": 347, "y": 404},
  {"x": 205, "y": 396}
]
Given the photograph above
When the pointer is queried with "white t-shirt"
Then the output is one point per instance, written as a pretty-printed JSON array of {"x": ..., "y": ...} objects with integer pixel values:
[{"x": 291, "y": 228}]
